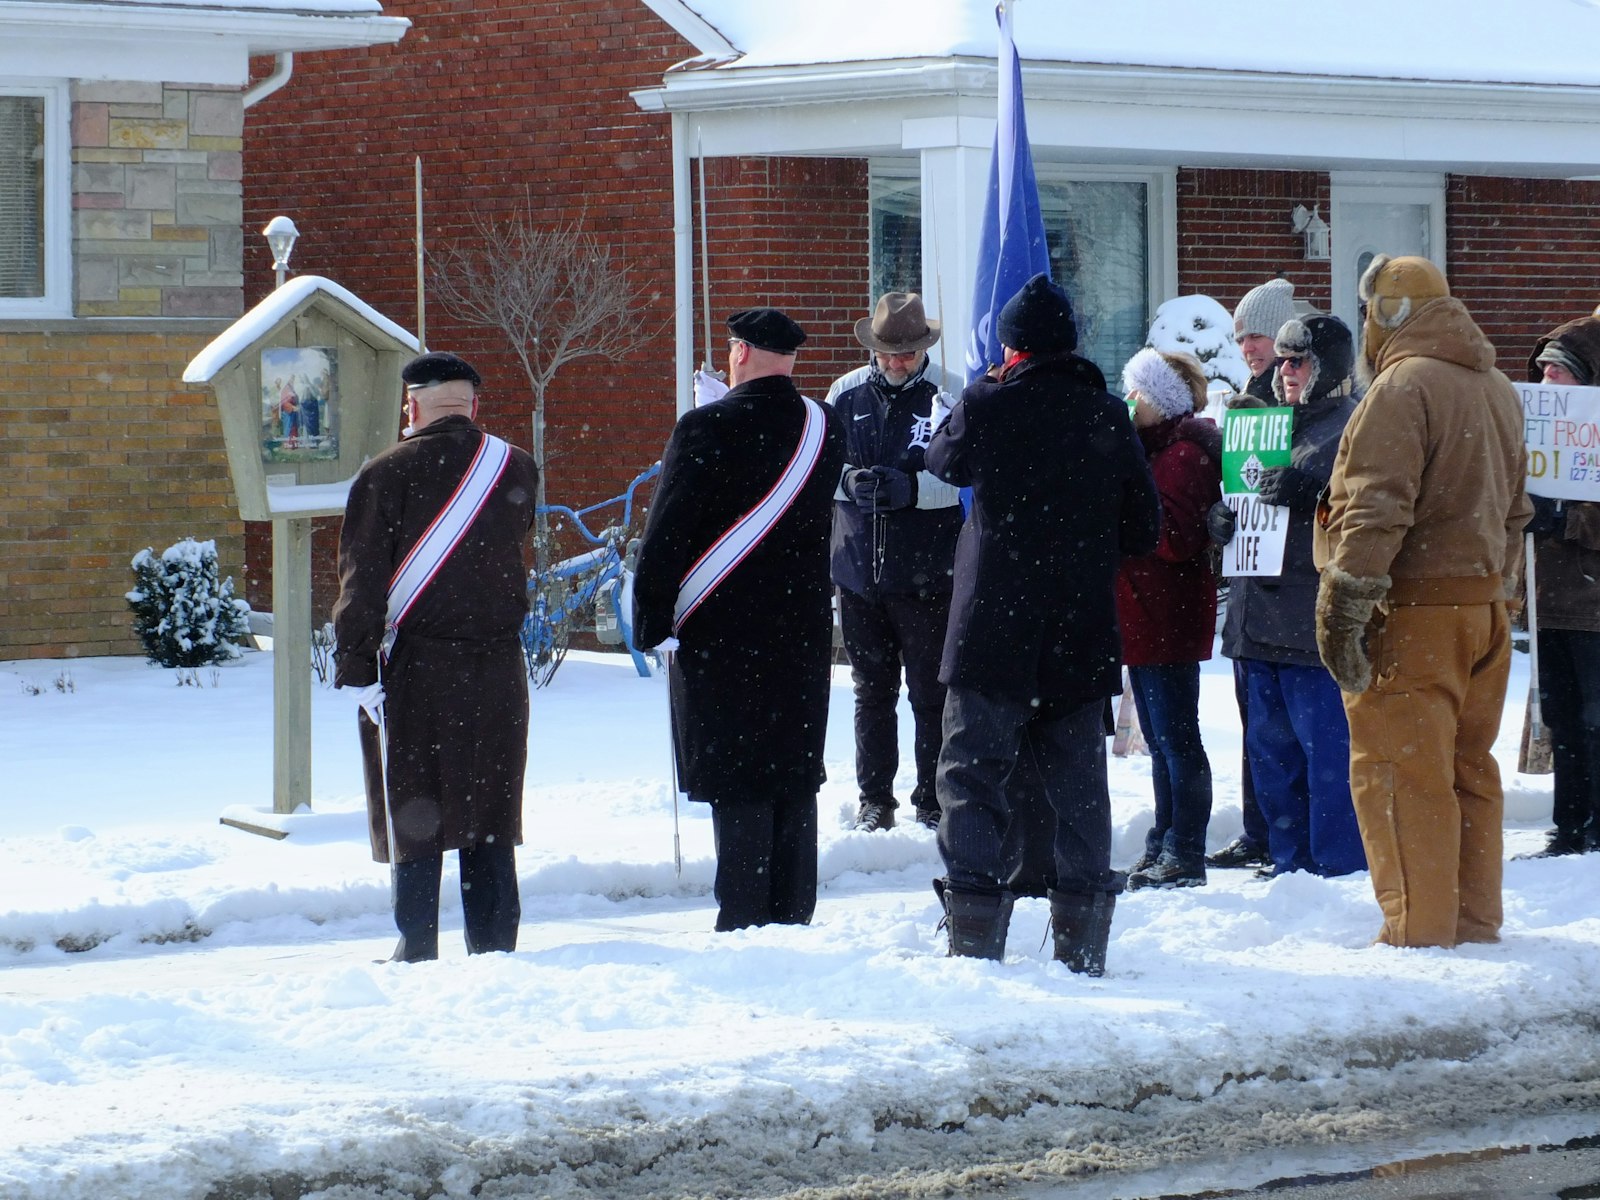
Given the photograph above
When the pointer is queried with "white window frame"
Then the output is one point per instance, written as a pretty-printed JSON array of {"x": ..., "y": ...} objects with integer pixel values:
[
  {"x": 57, "y": 299},
  {"x": 1161, "y": 224}
]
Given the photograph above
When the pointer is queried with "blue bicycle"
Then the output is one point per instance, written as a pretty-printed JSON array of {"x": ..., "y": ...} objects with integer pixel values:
[{"x": 590, "y": 592}]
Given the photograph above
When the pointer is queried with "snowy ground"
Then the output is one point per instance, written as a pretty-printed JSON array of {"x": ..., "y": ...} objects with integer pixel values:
[{"x": 188, "y": 1011}]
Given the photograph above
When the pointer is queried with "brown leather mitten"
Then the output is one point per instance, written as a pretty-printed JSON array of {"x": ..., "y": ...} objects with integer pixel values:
[{"x": 1345, "y": 604}]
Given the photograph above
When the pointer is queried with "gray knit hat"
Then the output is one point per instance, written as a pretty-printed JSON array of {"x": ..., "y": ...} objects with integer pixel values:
[{"x": 1264, "y": 309}]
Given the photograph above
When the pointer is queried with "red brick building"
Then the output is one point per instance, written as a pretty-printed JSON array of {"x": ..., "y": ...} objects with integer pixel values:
[{"x": 845, "y": 150}]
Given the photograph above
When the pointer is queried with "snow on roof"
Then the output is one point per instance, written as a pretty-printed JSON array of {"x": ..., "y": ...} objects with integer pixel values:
[
  {"x": 259, "y": 321},
  {"x": 1483, "y": 41},
  {"x": 312, "y": 8}
]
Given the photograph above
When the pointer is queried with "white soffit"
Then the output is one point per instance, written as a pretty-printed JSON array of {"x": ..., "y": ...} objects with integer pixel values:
[{"x": 194, "y": 42}]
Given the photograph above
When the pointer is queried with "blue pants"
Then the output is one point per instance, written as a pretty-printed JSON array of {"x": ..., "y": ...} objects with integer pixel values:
[
  {"x": 1001, "y": 759},
  {"x": 1168, "y": 701},
  {"x": 1299, "y": 746}
]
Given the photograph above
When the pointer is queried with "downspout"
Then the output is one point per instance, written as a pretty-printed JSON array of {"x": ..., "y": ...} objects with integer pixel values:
[
  {"x": 283, "y": 68},
  {"x": 683, "y": 262}
]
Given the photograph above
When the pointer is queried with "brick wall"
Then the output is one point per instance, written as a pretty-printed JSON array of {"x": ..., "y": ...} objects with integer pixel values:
[
  {"x": 791, "y": 233},
  {"x": 520, "y": 103},
  {"x": 1520, "y": 255},
  {"x": 106, "y": 452},
  {"x": 1234, "y": 232}
]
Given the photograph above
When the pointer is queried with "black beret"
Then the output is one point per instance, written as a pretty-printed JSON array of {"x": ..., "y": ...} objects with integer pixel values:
[
  {"x": 1038, "y": 318},
  {"x": 438, "y": 366},
  {"x": 766, "y": 329}
]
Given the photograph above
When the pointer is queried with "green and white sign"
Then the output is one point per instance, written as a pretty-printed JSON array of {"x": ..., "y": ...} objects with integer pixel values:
[{"x": 1254, "y": 439}]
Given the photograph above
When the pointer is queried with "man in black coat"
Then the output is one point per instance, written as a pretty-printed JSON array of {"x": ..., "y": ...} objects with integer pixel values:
[
  {"x": 752, "y": 656},
  {"x": 1060, "y": 492},
  {"x": 454, "y": 688},
  {"x": 894, "y": 539}
]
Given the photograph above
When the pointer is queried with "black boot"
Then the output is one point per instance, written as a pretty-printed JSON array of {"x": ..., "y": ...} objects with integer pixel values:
[
  {"x": 1081, "y": 927},
  {"x": 977, "y": 921}
]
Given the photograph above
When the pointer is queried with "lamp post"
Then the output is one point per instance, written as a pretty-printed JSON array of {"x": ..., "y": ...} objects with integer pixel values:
[
  {"x": 291, "y": 617},
  {"x": 281, "y": 235}
]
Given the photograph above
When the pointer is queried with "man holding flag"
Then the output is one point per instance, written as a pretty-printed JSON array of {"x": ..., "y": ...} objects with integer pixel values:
[{"x": 1060, "y": 491}]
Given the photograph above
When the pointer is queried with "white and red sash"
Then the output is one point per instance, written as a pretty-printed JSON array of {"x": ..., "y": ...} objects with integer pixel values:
[
  {"x": 445, "y": 532},
  {"x": 731, "y": 549}
]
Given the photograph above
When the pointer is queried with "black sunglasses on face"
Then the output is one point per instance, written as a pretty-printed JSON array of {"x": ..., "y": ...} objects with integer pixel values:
[{"x": 1294, "y": 360}]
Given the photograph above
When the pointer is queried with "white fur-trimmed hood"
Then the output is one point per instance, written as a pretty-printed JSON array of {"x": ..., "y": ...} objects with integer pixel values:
[{"x": 1158, "y": 381}]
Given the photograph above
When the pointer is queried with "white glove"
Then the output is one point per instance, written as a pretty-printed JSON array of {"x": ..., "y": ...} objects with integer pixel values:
[
  {"x": 370, "y": 698},
  {"x": 708, "y": 388},
  {"x": 668, "y": 646}
]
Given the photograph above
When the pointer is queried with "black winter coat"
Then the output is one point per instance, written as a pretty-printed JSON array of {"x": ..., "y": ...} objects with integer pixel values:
[
  {"x": 908, "y": 551},
  {"x": 1060, "y": 492},
  {"x": 750, "y": 678},
  {"x": 456, "y": 688},
  {"x": 1274, "y": 617}
]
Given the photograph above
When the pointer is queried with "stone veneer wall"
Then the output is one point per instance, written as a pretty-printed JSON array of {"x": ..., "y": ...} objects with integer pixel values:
[{"x": 158, "y": 199}]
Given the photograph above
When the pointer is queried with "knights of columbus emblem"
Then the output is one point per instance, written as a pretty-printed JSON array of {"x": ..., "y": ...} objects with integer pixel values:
[{"x": 1251, "y": 471}]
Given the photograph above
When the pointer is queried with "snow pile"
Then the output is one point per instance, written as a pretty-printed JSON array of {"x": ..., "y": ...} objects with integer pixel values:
[
  {"x": 1200, "y": 326},
  {"x": 190, "y": 1011}
]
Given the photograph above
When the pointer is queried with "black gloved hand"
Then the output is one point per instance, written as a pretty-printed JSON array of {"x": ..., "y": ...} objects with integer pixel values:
[
  {"x": 861, "y": 486},
  {"x": 1220, "y": 522},
  {"x": 896, "y": 489},
  {"x": 1290, "y": 487},
  {"x": 1549, "y": 517}
]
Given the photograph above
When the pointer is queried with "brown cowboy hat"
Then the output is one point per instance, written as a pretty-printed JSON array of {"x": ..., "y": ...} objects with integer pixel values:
[{"x": 898, "y": 325}]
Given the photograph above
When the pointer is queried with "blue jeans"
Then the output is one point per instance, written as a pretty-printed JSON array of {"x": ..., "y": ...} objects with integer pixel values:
[
  {"x": 1168, "y": 701},
  {"x": 1299, "y": 746},
  {"x": 1000, "y": 760}
]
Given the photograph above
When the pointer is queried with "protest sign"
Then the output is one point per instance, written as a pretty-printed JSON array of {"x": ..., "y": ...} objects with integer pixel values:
[
  {"x": 1562, "y": 428},
  {"x": 1254, "y": 439}
]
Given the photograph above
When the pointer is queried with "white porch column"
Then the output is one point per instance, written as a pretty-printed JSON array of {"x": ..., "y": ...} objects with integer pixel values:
[
  {"x": 682, "y": 265},
  {"x": 955, "y": 153}
]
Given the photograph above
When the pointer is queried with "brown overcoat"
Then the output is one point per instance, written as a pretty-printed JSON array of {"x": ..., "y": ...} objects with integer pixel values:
[{"x": 456, "y": 708}]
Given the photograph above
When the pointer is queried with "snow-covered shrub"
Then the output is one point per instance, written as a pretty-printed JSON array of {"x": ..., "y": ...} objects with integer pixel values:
[
  {"x": 182, "y": 614},
  {"x": 1200, "y": 326}
]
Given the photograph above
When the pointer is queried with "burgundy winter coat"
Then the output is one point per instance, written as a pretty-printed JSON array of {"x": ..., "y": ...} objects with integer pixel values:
[{"x": 1167, "y": 601}]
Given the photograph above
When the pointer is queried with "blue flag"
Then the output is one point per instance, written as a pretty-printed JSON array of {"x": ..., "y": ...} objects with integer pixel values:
[{"x": 1011, "y": 246}]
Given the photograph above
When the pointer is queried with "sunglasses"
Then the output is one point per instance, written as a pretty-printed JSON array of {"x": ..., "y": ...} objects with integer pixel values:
[{"x": 1294, "y": 360}]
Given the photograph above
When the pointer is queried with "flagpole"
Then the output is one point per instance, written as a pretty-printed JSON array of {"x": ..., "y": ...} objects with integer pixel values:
[{"x": 422, "y": 308}]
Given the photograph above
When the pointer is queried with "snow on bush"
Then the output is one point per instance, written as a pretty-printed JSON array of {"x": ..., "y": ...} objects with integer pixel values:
[
  {"x": 182, "y": 614},
  {"x": 1198, "y": 325}
]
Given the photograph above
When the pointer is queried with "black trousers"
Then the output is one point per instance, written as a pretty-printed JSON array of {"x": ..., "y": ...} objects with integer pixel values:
[
  {"x": 1255, "y": 824},
  {"x": 882, "y": 635},
  {"x": 1569, "y": 698},
  {"x": 1005, "y": 765},
  {"x": 490, "y": 901},
  {"x": 766, "y": 861}
]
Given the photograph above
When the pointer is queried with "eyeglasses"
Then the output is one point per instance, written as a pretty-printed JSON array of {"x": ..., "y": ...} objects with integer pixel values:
[
  {"x": 1295, "y": 361},
  {"x": 733, "y": 342}
]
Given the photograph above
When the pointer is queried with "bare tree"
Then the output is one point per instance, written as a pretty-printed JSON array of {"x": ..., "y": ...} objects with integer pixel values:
[{"x": 553, "y": 291}]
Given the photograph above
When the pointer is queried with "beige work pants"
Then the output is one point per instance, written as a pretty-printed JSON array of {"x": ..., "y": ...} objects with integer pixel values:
[{"x": 1425, "y": 785}]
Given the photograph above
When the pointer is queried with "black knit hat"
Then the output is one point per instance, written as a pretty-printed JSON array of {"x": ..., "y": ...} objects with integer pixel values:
[
  {"x": 438, "y": 366},
  {"x": 1038, "y": 318},
  {"x": 766, "y": 329},
  {"x": 1330, "y": 344}
]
